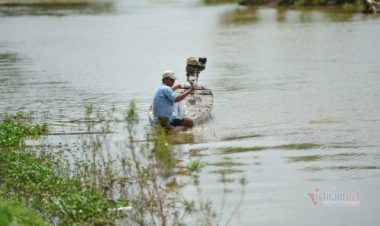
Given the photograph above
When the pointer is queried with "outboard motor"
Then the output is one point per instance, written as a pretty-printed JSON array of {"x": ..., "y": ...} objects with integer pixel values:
[{"x": 194, "y": 67}]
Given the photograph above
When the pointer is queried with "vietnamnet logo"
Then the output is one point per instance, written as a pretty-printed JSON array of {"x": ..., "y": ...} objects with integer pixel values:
[{"x": 333, "y": 198}]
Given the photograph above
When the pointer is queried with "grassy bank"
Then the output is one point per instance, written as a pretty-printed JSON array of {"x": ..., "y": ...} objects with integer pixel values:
[
  {"x": 37, "y": 178},
  {"x": 346, "y": 4},
  {"x": 15, "y": 2},
  {"x": 16, "y": 215},
  {"x": 85, "y": 184},
  {"x": 300, "y": 2}
]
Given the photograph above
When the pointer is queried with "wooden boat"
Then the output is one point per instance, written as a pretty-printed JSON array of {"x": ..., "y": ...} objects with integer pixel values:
[{"x": 197, "y": 105}]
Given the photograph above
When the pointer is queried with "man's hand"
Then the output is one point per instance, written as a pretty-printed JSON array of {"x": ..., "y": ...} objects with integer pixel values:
[
  {"x": 193, "y": 87},
  {"x": 176, "y": 86},
  {"x": 187, "y": 92}
]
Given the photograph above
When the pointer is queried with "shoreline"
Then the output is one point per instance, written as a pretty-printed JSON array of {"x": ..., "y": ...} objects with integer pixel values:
[{"x": 49, "y": 2}]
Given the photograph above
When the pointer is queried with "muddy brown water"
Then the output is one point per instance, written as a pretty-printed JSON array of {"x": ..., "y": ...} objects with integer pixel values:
[{"x": 296, "y": 109}]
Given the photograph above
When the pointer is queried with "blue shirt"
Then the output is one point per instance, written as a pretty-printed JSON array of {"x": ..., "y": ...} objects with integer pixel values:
[{"x": 163, "y": 102}]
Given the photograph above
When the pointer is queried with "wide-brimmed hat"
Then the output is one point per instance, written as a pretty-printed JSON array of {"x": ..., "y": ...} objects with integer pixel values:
[{"x": 169, "y": 74}]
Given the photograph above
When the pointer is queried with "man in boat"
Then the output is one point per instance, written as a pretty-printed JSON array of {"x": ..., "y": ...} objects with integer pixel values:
[{"x": 164, "y": 100}]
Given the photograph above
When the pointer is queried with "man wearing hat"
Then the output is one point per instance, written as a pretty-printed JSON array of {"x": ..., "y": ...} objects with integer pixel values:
[{"x": 164, "y": 100}]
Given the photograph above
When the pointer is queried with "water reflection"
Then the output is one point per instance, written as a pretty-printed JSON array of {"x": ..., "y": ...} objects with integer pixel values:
[
  {"x": 56, "y": 9},
  {"x": 295, "y": 146},
  {"x": 226, "y": 171},
  {"x": 227, "y": 162},
  {"x": 340, "y": 168},
  {"x": 241, "y": 136},
  {"x": 347, "y": 156},
  {"x": 249, "y": 15},
  {"x": 8, "y": 59},
  {"x": 20, "y": 83},
  {"x": 181, "y": 138},
  {"x": 216, "y": 2},
  {"x": 226, "y": 167},
  {"x": 232, "y": 150},
  {"x": 305, "y": 158},
  {"x": 10, "y": 76},
  {"x": 240, "y": 16}
]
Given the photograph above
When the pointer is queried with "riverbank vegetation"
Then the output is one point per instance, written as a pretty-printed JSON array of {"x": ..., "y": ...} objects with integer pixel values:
[
  {"x": 299, "y": 2},
  {"x": 16, "y": 215},
  {"x": 83, "y": 183},
  {"x": 37, "y": 178},
  {"x": 365, "y": 6},
  {"x": 51, "y": 1}
]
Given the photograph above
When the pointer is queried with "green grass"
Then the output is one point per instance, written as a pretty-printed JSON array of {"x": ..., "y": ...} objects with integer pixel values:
[
  {"x": 40, "y": 180},
  {"x": 15, "y": 128},
  {"x": 87, "y": 189},
  {"x": 13, "y": 214}
]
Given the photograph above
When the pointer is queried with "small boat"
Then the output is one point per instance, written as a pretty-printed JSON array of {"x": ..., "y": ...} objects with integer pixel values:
[{"x": 196, "y": 106}]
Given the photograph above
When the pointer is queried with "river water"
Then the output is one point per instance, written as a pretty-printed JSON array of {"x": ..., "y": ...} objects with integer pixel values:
[{"x": 296, "y": 106}]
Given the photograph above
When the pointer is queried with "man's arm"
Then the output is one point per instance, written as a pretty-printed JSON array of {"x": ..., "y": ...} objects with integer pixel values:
[
  {"x": 184, "y": 94},
  {"x": 177, "y": 86}
]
